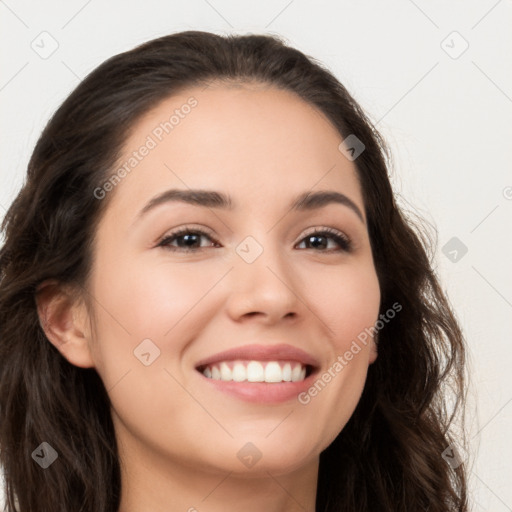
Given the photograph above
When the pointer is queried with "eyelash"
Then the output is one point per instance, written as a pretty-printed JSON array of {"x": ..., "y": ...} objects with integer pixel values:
[{"x": 340, "y": 238}]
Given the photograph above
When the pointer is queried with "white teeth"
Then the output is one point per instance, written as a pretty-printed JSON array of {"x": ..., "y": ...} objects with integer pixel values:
[
  {"x": 287, "y": 372},
  {"x": 273, "y": 372},
  {"x": 225, "y": 372},
  {"x": 295, "y": 373},
  {"x": 215, "y": 373},
  {"x": 256, "y": 371},
  {"x": 239, "y": 373}
]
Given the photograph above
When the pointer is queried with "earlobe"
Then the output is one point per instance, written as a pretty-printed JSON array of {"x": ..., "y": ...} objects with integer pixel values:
[{"x": 63, "y": 321}]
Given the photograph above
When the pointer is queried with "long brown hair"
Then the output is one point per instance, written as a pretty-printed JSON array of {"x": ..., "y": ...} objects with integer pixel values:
[{"x": 389, "y": 456}]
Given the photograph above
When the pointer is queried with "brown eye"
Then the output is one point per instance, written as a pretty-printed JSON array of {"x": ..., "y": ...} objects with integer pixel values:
[
  {"x": 319, "y": 239},
  {"x": 188, "y": 240}
]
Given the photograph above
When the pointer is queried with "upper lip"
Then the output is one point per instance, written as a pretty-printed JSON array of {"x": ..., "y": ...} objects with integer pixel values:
[{"x": 281, "y": 352}]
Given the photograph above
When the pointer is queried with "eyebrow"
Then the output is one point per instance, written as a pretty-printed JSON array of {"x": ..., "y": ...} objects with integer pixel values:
[{"x": 306, "y": 201}]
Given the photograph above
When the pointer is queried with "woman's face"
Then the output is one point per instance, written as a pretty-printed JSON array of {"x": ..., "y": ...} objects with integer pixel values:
[{"x": 256, "y": 277}]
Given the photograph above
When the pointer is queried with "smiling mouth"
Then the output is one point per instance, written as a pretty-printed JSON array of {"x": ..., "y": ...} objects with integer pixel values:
[{"x": 256, "y": 371}]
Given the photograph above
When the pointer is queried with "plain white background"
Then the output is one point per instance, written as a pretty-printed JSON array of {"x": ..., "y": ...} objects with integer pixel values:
[{"x": 433, "y": 76}]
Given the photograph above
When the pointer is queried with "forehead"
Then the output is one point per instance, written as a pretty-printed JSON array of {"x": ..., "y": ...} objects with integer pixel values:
[{"x": 250, "y": 140}]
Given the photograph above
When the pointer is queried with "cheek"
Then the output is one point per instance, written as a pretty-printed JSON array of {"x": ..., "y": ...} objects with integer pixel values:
[
  {"x": 346, "y": 299},
  {"x": 150, "y": 299},
  {"x": 156, "y": 301}
]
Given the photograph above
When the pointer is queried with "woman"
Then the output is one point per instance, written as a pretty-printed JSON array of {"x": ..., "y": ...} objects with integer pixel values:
[{"x": 301, "y": 355}]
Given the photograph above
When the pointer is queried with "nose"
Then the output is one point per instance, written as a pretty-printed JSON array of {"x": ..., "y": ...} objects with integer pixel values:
[{"x": 264, "y": 288}]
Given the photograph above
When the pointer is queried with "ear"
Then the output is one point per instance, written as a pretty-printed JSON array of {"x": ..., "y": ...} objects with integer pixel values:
[{"x": 64, "y": 320}]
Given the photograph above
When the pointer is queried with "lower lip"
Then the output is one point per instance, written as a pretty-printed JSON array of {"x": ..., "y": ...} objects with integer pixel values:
[{"x": 262, "y": 392}]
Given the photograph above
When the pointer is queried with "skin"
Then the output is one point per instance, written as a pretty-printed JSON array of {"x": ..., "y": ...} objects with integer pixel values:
[{"x": 178, "y": 437}]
